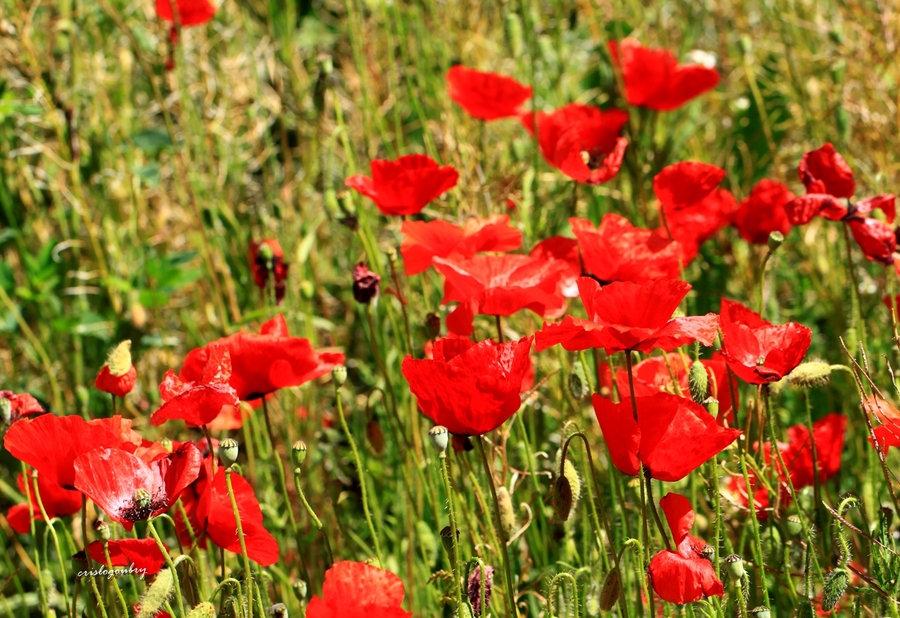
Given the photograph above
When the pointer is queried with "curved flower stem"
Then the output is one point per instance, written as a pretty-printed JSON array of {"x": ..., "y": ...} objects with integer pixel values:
[
  {"x": 554, "y": 583},
  {"x": 109, "y": 565},
  {"x": 87, "y": 557},
  {"x": 359, "y": 470},
  {"x": 248, "y": 573},
  {"x": 454, "y": 542},
  {"x": 762, "y": 282},
  {"x": 504, "y": 551},
  {"x": 282, "y": 482},
  {"x": 652, "y": 502},
  {"x": 312, "y": 514}
]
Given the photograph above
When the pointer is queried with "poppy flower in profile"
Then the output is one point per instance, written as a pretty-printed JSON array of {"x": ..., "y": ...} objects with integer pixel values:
[
  {"x": 423, "y": 241},
  {"x": 658, "y": 440},
  {"x": 629, "y": 316},
  {"x": 581, "y": 141},
  {"x": 215, "y": 511},
  {"x": 358, "y": 589},
  {"x": 57, "y": 501},
  {"x": 683, "y": 184},
  {"x": 499, "y": 285},
  {"x": 190, "y": 12},
  {"x": 469, "y": 388},
  {"x": 267, "y": 256},
  {"x": 117, "y": 376},
  {"x": 262, "y": 364},
  {"x": 824, "y": 170},
  {"x": 143, "y": 555},
  {"x": 758, "y": 351},
  {"x": 565, "y": 250},
  {"x": 128, "y": 489},
  {"x": 50, "y": 444},
  {"x": 684, "y": 575},
  {"x": 619, "y": 251},
  {"x": 487, "y": 96},
  {"x": 14, "y": 406},
  {"x": 197, "y": 403},
  {"x": 876, "y": 239},
  {"x": 696, "y": 224},
  {"x": 654, "y": 79},
  {"x": 405, "y": 186},
  {"x": 887, "y": 433},
  {"x": 762, "y": 212}
]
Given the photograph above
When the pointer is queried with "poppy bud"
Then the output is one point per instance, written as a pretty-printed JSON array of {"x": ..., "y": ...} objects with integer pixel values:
[
  {"x": 156, "y": 594},
  {"x": 365, "y": 283},
  {"x": 807, "y": 375},
  {"x": 463, "y": 611},
  {"x": 339, "y": 375},
  {"x": 698, "y": 382},
  {"x": 298, "y": 453},
  {"x": 203, "y": 610},
  {"x": 432, "y": 325},
  {"x": 5, "y": 410},
  {"x": 507, "y": 514},
  {"x": 735, "y": 566},
  {"x": 761, "y": 612},
  {"x": 279, "y": 610},
  {"x": 228, "y": 451},
  {"x": 579, "y": 387},
  {"x": 102, "y": 528},
  {"x": 473, "y": 590},
  {"x": 440, "y": 437},
  {"x": 835, "y": 585},
  {"x": 300, "y": 589},
  {"x": 612, "y": 588},
  {"x": 806, "y": 609},
  {"x": 561, "y": 498},
  {"x": 794, "y": 525},
  {"x": 775, "y": 240}
]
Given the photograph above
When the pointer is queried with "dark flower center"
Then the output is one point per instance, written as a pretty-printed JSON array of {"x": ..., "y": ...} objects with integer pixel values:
[{"x": 142, "y": 506}]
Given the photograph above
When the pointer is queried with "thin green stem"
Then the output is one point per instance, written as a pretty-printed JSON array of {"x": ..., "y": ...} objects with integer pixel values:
[
  {"x": 109, "y": 565},
  {"x": 282, "y": 481},
  {"x": 59, "y": 555},
  {"x": 454, "y": 541},
  {"x": 312, "y": 515},
  {"x": 248, "y": 573},
  {"x": 87, "y": 557}
]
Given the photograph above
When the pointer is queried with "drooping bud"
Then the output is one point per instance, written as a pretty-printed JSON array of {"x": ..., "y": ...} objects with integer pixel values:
[
  {"x": 761, "y": 612},
  {"x": 375, "y": 436},
  {"x": 561, "y": 498},
  {"x": 507, "y": 514},
  {"x": 735, "y": 566},
  {"x": 447, "y": 540},
  {"x": 339, "y": 375},
  {"x": 279, "y": 610},
  {"x": 102, "y": 528},
  {"x": 440, "y": 438},
  {"x": 571, "y": 493},
  {"x": 298, "y": 453},
  {"x": 473, "y": 590},
  {"x": 512, "y": 28},
  {"x": 808, "y": 375},
  {"x": 157, "y": 593},
  {"x": 698, "y": 382},
  {"x": 775, "y": 240},
  {"x": 228, "y": 451},
  {"x": 119, "y": 359},
  {"x": 612, "y": 588},
  {"x": 835, "y": 585},
  {"x": 365, "y": 284},
  {"x": 579, "y": 387},
  {"x": 432, "y": 325}
]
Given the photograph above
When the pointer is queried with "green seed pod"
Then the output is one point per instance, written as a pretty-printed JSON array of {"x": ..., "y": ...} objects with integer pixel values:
[
  {"x": 203, "y": 610},
  {"x": 775, "y": 240},
  {"x": 761, "y": 612},
  {"x": 612, "y": 588},
  {"x": 279, "y": 610},
  {"x": 298, "y": 453},
  {"x": 300, "y": 589},
  {"x": 507, "y": 514},
  {"x": 102, "y": 528},
  {"x": 813, "y": 373},
  {"x": 698, "y": 382},
  {"x": 339, "y": 375},
  {"x": 512, "y": 28},
  {"x": 157, "y": 593},
  {"x": 794, "y": 525},
  {"x": 712, "y": 406},
  {"x": 579, "y": 387},
  {"x": 228, "y": 452},
  {"x": 735, "y": 566},
  {"x": 440, "y": 438},
  {"x": 835, "y": 585}
]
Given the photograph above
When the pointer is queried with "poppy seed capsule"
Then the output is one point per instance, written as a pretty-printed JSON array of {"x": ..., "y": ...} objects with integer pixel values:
[
  {"x": 298, "y": 453},
  {"x": 440, "y": 438},
  {"x": 101, "y": 527},
  {"x": 300, "y": 589},
  {"x": 808, "y": 375},
  {"x": 507, "y": 514},
  {"x": 761, "y": 612},
  {"x": 612, "y": 588},
  {"x": 203, "y": 610},
  {"x": 579, "y": 387},
  {"x": 339, "y": 375},
  {"x": 735, "y": 566},
  {"x": 228, "y": 451},
  {"x": 775, "y": 240},
  {"x": 794, "y": 525},
  {"x": 698, "y": 382}
]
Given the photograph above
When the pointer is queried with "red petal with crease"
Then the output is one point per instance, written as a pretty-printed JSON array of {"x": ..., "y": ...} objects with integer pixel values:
[
  {"x": 825, "y": 171},
  {"x": 684, "y": 184},
  {"x": 404, "y": 186},
  {"x": 487, "y": 96}
]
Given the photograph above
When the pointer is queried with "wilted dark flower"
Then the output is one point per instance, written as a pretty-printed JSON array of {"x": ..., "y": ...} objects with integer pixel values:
[{"x": 365, "y": 283}]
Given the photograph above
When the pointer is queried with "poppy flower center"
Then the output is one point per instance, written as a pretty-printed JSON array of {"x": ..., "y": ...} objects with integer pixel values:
[
  {"x": 142, "y": 506},
  {"x": 760, "y": 361},
  {"x": 593, "y": 158}
]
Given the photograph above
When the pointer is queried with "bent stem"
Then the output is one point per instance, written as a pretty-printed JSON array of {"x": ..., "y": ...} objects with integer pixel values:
[
  {"x": 312, "y": 515},
  {"x": 454, "y": 542},
  {"x": 248, "y": 573},
  {"x": 504, "y": 551},
  {"x": 282, "y": 482}
]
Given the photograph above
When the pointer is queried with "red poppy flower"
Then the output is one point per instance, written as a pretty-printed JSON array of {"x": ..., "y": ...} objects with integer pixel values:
[
  {"x": 888, "y": 432},
  {"x": 267, "y": 256},
  {"x": 128, "y": 489},
  {"x": 198, "y": 403},
  {"x": 14, "y": 406},
  {"x": 487, "y": 96},
  {"x": 684, "y": 184},
  {"x": 672, "y": 437},
  {"x": 803, "y": 209},
  {"x": 876, "y": 239},
  {"x": 426, "y": 241},
  {"x": 654, "y": 79},
  {"x": 618, "y": 251},
  {"x": 763, "y": 212},
  {"x": 629, "y": 316},
  {"x": 660, "y": 373},
  {"x": 214, "y": 509},
  {"x": 499, "y": 285},
  {"x": 404, "y": 186},
  {"x": 686, "y": 574},
  {"x": 141, "y": 554},
  {"x": 262, "y": 364},
  {"x": 50, "y": 444},
  {"x": 117, "y": 376},
  {"x": 825, "y": 171},
  {"x": 581, "y": 141},
  {"x": 190, "y": 12},
  {"x": 358, "y": 589},
  {"x": 566, "y": 250},
  {"x": 471, "y": 389},
  {"x": 694, "y": 225},
  {"x": 57, "y": 501},
  {"x": 759, "y": 351}
]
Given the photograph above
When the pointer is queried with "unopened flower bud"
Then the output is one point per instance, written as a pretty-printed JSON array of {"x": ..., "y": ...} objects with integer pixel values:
[
  {"x": 307, "y": 290},
  {"x": 228, "y": 451},
  {"x": 157, "y": 593},
  {"x": 761, "y": 612},
  {"x": 339, "y": 375},
  {"x": 507, "y": 514},
  {"x": 775, "y": 240},
  {"x": 735, "y": 565},
  {"x": 835, "y": 585},
  {"x": 440, "y": 438},
  {"x": 447, "y": 540},
  {"x": 432, "y": 325},
  {"x": 808, "y": 375},
  {"x": 298, "y": 453},
  {"x": 612, "y": 588},
  {"x": 473, "y": 590},
  {"x": 698, "y": 382},
  {"x": 102, "y": 528},
  {"x": 265, "y": 254},
  {"x": 365, "y": 283},
  {"x": 561, "y": 498},
  {"x": 579, "y": 387},
  {"x": 202, "y": 610}
]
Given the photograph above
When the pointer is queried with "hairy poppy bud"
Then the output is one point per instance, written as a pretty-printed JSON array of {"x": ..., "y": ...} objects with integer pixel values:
[
  {"x": 776, "y": 238},
  {"x": 339, "y": 375},
  {"x": 698, "y": 382},
  {"x": 567, "y": 492},
  {"x": 440, "y": 437},
  {"x": 735, "y": 566},
  {"x": 806, "y": 609},
  {"x": 298, "y": 453},
  {"x": 835, "y": 585},
  {"x": 761, "y": 612},
  {"x": 507, "y": 514},
  {"x": 203, "y": 610},
  {"x": 579, "y": 387},
  {"x": 432, "y": 325},
  {"x": 612, "y": 588},
  {"x": 228, "y": 451},
  {"x": 157, "y": 593},
  {"x": 279, "y": 610},
  {"x": 300, "y": 589},
  {"x": 813, "y": 373},
  {"x": 473, "y": 590},
  {"x": 365, "y": 283},
  {"x": 561, "y": 498}
]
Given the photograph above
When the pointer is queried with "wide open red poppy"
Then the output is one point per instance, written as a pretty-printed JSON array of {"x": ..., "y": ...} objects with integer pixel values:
[
  {"x": 500, "y": 285},
  {"x": 214, "y": 509},
  {"x": 654, "y": 79},
  {"x": 358, "y": 589},
  {"x": 17, "y": 405},
  {"x": 50, "y": 444},
  {"x": 758, "y": 351},
  {"x": 128, "y": 489},
  {"x": 686, "y": 574},
  {"x": 424, "y": 241},
  {"x": 262, "y": 364},
  {"x": 57, "y": 501},
  {"x": 487, "y": 96},
  {"x": 404, "y": 186},
  {"x": 143, "y": 555},
  {"x": 581, "y": 141},
  {"x": 619, "y": 251},
  {"x": 629, "y": 316},
  {"x": 824, "y": 170},
  {"x": 888, "y": 432},
  {"x": 762, "y": 212},
  {"x": 267, "y": 256},
  {"x": 672, "y": 437},
  {"x": 190, "y": 12},
  {"x": 469, "y": 388},
  {"x": 198, "y": 403}
]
